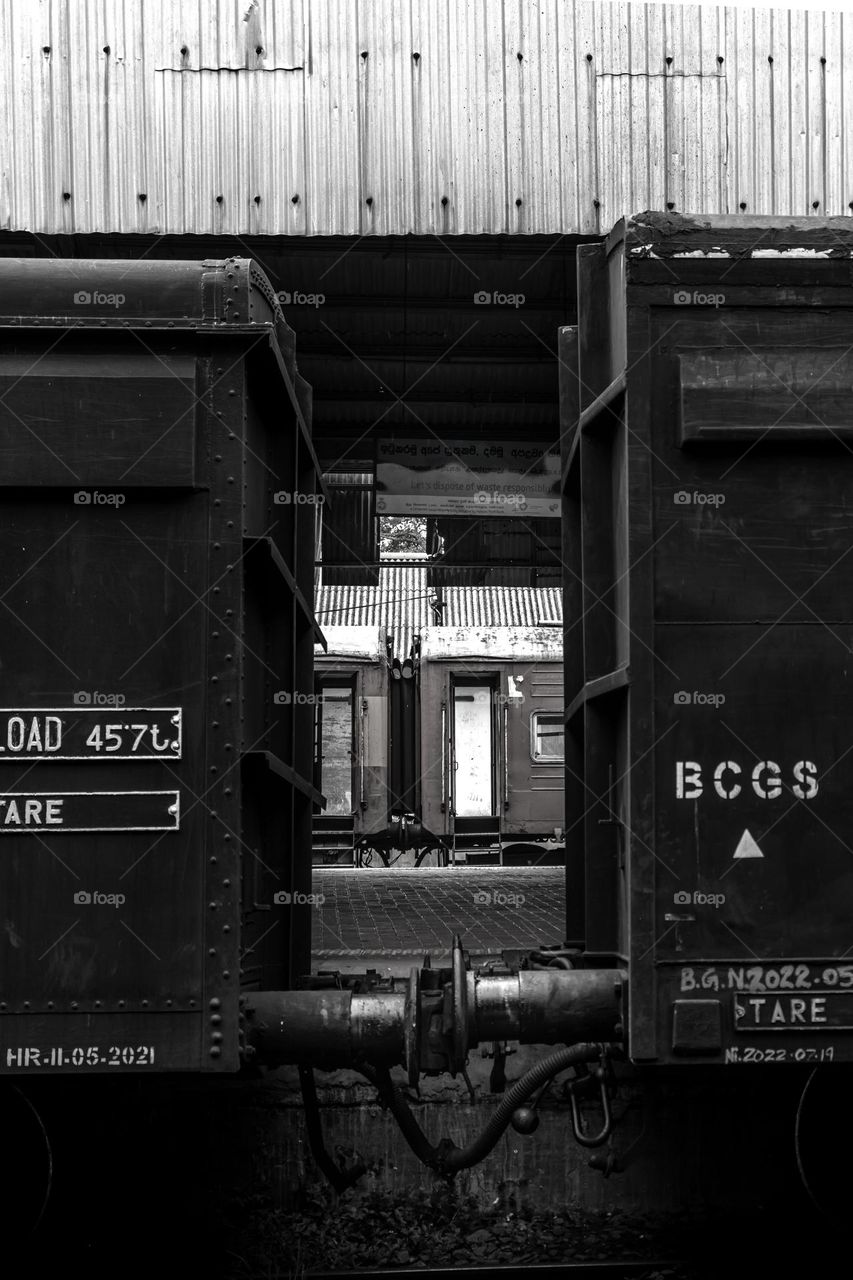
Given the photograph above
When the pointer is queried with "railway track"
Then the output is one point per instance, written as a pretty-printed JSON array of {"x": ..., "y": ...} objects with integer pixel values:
[{"x": 630, "y": 1270}]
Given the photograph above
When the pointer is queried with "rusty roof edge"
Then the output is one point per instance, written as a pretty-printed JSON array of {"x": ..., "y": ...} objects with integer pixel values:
[{"x": 655, "y": 233}]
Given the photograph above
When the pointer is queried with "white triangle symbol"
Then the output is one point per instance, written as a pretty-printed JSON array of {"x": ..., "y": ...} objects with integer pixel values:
[{"x": 747, "y": 847}]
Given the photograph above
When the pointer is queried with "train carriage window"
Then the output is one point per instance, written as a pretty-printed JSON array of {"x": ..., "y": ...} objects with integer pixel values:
[
  {"x": 335, "y": 736},
  {"x": 546, "y": 736}
]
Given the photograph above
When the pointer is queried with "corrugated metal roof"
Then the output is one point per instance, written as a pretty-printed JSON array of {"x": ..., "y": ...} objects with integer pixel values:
[
  {"x": 298, "y": 117},
  {"x": 400, "y": 603},
  {"x": 403, "y": 604},
  {"x": 502, "y": 606}
]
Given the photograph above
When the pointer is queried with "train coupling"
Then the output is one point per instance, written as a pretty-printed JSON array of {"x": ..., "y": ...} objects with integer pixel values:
[{"x": 440, "y": 1017}]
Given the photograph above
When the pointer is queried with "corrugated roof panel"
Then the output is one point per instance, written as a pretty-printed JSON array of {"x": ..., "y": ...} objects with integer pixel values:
[
  {"x": 402, "y": 601},
  {"x": 381, "y": 118}
]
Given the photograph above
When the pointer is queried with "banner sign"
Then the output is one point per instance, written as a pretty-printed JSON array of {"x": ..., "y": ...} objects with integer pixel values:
[{"x": 467, "y": 478}]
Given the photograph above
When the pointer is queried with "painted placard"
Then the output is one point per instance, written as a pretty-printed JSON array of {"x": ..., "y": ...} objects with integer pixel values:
[
  {"x": 55, "y": 812},
  {"x": 90, "y": 733},
  {"x": 794, "y": 1011},
  {"x": 513, "y": 478}
]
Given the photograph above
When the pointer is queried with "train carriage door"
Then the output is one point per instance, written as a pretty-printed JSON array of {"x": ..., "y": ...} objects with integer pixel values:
[
  {"x": 335, "y": 740},
  {"x": 474, "y": 759}
]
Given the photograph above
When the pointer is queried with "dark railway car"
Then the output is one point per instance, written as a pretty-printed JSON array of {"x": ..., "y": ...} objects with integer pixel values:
[
  {"x": 491, "y": 729},
  {"x": 157, "y": 527},
  {"x": 708, "y": 517}
]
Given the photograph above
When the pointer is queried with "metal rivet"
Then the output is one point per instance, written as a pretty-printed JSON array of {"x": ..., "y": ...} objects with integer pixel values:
[
  {"x": 215, "y": 1003},
  {"x": 215, "y": 1052}
]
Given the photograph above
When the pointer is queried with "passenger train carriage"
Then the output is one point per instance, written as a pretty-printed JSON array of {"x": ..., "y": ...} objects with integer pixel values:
[{"x": 454, "y": 756}]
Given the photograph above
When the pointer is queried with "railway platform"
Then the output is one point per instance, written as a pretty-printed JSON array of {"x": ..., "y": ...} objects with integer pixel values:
[{"x": 388, "y": 920}]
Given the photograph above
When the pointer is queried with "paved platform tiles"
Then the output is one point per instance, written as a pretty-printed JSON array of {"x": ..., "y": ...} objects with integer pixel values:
[{"x": 388, "y": 919}]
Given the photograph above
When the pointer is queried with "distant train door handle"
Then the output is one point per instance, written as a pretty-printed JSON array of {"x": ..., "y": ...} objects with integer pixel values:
[
  {"x": 363, "y": 753},
  {"x": 504, "y": 747}
]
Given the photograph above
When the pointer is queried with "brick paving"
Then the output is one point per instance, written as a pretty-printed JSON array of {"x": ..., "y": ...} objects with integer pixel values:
[{"x": 404, "y": 912}]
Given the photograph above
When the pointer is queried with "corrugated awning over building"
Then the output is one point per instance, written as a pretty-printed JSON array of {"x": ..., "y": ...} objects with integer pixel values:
[
  {"x": 405, "y": 604},
  {"x": 319, "y": 117}
]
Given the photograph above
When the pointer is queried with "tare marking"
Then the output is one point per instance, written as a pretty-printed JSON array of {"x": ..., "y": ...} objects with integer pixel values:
[{"x": 729, "y": 779}]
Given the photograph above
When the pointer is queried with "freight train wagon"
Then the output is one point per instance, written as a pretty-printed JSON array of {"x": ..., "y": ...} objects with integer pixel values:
[{"x": 156, "y": 579}]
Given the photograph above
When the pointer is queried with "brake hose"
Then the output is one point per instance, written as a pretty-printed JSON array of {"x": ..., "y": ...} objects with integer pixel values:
[{"x": 445, "y": 1157}]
